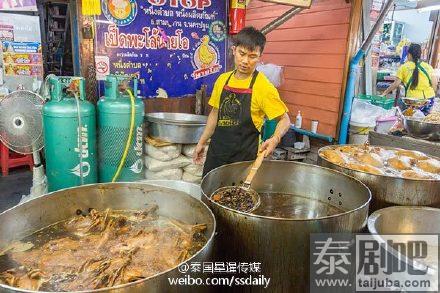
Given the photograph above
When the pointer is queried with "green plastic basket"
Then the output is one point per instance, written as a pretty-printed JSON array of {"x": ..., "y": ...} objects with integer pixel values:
[
  {"x": 386, "y": 103},
  {"x": 382, "y": 75}
]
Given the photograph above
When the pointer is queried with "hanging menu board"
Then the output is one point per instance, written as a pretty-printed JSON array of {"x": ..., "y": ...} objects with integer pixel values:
[
  {"x": 171, "y": 45},
  {"x": 22, "y": 59},
  {"x": 18, "y": 5},
  {"x": 6, "y": 32},
  {"x": 20, "y": 50}
]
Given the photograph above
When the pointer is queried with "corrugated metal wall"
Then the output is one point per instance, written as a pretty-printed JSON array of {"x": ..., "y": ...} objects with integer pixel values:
[{"x": 312, "y": 48}]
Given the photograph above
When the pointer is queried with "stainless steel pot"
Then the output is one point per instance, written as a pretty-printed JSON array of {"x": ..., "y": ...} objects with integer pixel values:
[
  {"x": 423, "y": 130},
  {"x": 22, "y": 220},
  {"x": 405, "y": 220},
  {"x": 176, "y": 127},
  {"x": 282, "y": 244},
  {"x": 411, "y": 221},
  {"x": 388, "y": 191}
]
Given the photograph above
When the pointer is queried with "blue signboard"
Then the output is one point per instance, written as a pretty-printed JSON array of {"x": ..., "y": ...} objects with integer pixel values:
[{"x": 170, "y": 45}]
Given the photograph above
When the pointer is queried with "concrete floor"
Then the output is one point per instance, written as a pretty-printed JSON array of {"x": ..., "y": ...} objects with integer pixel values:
[{"x": 13, "y": 186}]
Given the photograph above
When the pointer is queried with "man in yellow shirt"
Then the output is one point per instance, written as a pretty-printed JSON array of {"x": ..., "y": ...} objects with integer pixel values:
[
  {"x": 417, "y": 78},
  {"x": 240, "y": 100}
]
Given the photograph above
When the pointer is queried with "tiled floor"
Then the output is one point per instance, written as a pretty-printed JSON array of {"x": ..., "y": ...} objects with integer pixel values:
[{"x": 13, "y": 186}]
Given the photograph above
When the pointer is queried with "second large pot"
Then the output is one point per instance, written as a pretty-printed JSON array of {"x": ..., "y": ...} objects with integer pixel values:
[
  {"x": 390, "y": 191},
  {"x": 282, "y": 245}
]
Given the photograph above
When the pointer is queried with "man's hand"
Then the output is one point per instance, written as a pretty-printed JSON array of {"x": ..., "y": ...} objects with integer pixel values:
[
  {"x": 199, "y": 154},
  {"x": 269, "y": 145}
]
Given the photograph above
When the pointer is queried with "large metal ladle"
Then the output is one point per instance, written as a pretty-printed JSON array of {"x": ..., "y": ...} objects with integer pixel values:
[{"x": 246, "y": 186}]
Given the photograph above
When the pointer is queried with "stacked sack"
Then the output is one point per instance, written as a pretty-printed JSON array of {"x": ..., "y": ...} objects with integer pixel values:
[
  {"x": 171, "y": 162},
  {"x": 192, "y": 172}
]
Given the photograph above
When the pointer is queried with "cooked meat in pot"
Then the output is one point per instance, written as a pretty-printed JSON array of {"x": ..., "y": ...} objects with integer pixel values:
[{"x": 103, "y": 249}]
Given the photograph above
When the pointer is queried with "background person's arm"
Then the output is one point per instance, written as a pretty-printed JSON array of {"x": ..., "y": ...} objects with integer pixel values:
[
  {"x": 207, "y": 133},
  {"x": 392, "y": 87}
]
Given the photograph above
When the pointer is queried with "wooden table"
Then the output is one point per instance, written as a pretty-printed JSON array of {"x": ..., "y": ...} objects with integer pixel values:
[{"x": 405, "y": 142}]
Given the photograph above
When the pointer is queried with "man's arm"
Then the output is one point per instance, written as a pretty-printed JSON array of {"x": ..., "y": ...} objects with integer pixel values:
[
  {"x": 281, "y": 129},
  {"x": 207, "y": 133}
]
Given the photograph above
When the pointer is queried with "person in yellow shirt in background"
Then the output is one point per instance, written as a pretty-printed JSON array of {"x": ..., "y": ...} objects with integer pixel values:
[
  {"x": 240, "y": 101},
  {"x": 417, "y": 78}
]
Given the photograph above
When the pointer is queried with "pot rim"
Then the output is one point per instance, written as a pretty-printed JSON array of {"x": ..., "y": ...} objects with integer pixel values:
[
  {"x": 377, "y": 236},
  {"x": 246, "y": 214},
  {"x": 155, "y": 118},
  {"x": 377, "y": 214},
  {"x": 420, "y": 122}
]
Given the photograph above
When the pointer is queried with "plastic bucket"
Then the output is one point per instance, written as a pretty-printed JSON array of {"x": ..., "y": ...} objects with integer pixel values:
[
  {"x": 383, "y": 125},
  {"x": 358, "y": 133},
  {"x": 269, "y": 128}
]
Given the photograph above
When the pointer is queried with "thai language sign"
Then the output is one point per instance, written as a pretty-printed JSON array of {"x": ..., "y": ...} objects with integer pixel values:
[
  {"x": 6, "y": 32},
  {"x": 18, "y": 5},
  {"x": 171, "y": 45},
  {"x": 22, "y": 58}
]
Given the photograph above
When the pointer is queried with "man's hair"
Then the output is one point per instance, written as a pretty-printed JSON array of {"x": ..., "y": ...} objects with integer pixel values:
[{"x": 250, "y": 38}]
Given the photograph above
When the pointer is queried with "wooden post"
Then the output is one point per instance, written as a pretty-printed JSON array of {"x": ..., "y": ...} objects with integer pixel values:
[
  {"x": 368, "y": 79},
  {"x": 75, "y": 32},
  {"x": 87, "y": 55},
  {"x": 435, "y": 53}
]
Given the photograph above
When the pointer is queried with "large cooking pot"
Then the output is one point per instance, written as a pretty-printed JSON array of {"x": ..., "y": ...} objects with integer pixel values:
[
  {"x": 411, "y": 222},
  {"x": 389, "y": 191},
  {"x": 22, "y": 220},
  {"x": 176, "y": 127},
  {"x": 282, "y": 244},
  {"x": 405, "y": 220}
]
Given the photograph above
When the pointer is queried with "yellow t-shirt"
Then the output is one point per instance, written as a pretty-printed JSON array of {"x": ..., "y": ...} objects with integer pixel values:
[
  {"x": 423, "y": 90},
  {"x": 265, "y": 100}
]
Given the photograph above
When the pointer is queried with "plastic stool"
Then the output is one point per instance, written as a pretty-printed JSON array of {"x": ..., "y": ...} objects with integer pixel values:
[{"x": 10, "y": 159}]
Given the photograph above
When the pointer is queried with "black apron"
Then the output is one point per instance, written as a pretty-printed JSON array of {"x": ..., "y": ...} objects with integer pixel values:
[{"x": 235, "y": 138}]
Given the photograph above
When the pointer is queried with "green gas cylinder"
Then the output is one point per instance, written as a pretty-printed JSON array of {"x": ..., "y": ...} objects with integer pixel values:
[
  {"x": 114, "y": 120},
  {"x": 65, "y": 143}
]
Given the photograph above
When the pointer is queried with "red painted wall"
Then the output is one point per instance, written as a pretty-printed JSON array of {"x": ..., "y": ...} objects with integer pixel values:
[{"x": 312, "y": 48}]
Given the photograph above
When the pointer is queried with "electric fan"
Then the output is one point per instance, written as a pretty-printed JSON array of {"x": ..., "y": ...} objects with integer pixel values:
[{"x": 21, "y": 130}]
